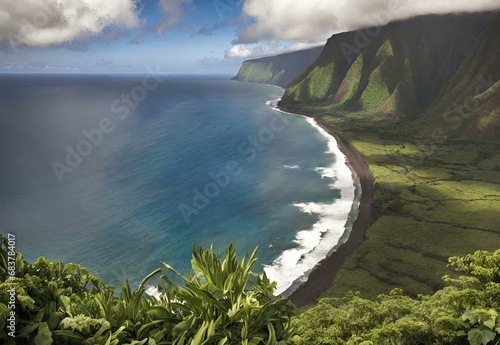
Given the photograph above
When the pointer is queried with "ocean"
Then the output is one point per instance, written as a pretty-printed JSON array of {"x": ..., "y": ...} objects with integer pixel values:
[{"x": 120, "y": 173}]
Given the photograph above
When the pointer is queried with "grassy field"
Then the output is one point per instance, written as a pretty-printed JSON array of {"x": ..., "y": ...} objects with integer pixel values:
[{"x": 433, "y": 199}]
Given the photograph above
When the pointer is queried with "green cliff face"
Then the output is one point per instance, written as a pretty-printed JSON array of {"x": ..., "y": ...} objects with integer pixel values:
[
  {"x": 278, "y": 70},
  {"x": 469, "y": 103},
  {"x": 412, "y": 69},
  {"x": 420, "y": 100}
]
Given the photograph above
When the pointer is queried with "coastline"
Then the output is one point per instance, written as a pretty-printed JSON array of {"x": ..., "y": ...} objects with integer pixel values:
[
  {"x": 324, "y": 272},
  {"x": 333, "y": 227}
]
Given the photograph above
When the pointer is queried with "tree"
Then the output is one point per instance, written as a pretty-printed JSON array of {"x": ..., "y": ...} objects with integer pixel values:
[
  {"x": 220, "y": 302},
  {"x": 465, "y": 312}
]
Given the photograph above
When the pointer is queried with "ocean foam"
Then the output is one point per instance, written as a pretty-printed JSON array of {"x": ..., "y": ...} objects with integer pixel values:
[{"x": 292, "y": 268}]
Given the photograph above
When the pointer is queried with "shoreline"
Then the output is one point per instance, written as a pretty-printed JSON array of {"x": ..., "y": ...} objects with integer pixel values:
[
  {"x": 325, "y": 271},
  {"x": 333, "y": 228}
]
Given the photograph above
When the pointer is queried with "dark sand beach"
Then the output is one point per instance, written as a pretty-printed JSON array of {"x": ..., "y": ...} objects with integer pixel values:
[{"x": 323, "y": 274}]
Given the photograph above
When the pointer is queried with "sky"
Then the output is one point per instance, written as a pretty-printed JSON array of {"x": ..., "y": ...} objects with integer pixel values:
[{"x": 184, "y": 36}]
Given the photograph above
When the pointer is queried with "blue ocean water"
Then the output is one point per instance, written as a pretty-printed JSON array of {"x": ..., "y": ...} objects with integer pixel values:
[{"x": 132, "y": 198}]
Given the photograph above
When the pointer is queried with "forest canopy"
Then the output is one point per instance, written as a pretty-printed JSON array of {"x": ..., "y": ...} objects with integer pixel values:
[{"x": 223, "y": 301}]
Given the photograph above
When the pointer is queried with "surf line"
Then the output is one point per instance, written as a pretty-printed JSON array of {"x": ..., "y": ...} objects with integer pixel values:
[{"x": 293, "y": 267}]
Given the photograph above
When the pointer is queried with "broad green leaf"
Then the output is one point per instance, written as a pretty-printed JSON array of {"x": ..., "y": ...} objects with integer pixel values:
[
  {"x": 478, "y": 336},
  {"x": 53, "y": 320},
  {"x": 105, "y": 326},
  {"x": 66, "y": 334},
  {"x": 199, "y": 337},
  {"x": 223, "y": 341},
  {"x": 272, "y": 334},
  {"x": 256, "y": 341},
  {"x": 488, "y": 336},
  {"x": 137, "y": 342},
  {"x": 182, "y": 326},
  {"x": 490, "y": 323},
  {"x": 27, "y": 330},
  {"x": 161, "y": 312},
  {"x": 44, "y": 336}
]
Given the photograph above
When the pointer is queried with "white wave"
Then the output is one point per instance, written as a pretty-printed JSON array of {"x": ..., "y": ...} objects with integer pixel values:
[
  {"x": 293, "y": 266},
  {"x": 333, "y": 228},
  {"x": 274, "y": 104}
]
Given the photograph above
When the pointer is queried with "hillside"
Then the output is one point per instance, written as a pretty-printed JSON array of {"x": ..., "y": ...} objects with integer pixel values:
[
  {"x": 469, "y": 103},
  {"x": 402, "y": 70},
  {"x": 278, "y": 70},
  {"x": 420, "y": 100},
  {"x": 421, "y": 103}
]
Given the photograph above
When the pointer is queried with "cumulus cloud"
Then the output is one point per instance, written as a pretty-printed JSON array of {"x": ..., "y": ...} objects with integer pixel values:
[
  {"x": 238, "y": 51},
  {"x": 174, "y": 13},
  {"x": 299, "y": 46},
  {"x": 299, "y": 20},
  {"x": 43, "y": 23},
  {"x": 244, "y": 51}
]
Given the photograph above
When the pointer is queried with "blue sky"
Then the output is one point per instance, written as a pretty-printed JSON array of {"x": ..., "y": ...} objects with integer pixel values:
[
  {"x": 183, "y": 36},
  {"x": 196, "y": 42}
]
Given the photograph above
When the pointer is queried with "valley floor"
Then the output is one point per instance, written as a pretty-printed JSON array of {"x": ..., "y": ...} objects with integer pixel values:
[{"x": 433, "y": 199}]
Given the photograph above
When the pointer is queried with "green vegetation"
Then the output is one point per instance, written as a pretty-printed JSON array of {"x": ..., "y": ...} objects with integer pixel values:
[
  {"x": 351, "y": 81},
  {"x": 432, "y": 201},
  {"x": 277, "y": 70},
  {"x": 318, "y": 81},
  {"x": 221, "y": 302},
  {"x": 426, "y": 121},
  {"x": 224, "y": 302},
  {"x": 423, "y": 110},
  {"x": 437, "y": 195},
  {"x": 442, "y": 84},
  {"x": 465, "y": 312},
  {"x": 259, "y": 73}
]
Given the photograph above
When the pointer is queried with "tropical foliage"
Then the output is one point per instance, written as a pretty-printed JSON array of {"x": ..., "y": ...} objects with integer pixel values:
[
  {"x": 465, "y": 312},
  {"x": 221, "y": 302},
  {"x": 224, "y": 302}
]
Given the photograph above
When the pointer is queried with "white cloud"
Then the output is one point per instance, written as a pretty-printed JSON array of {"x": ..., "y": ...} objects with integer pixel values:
[
  {"x": 43, "y": 23},
  {"x": 299, "y": 20},
  {"x": 252, "y": 51},
  {"x": 300, "y": 46},
  {"x": 238, "y": 51},
  {"x": 173, "y": 11}
]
